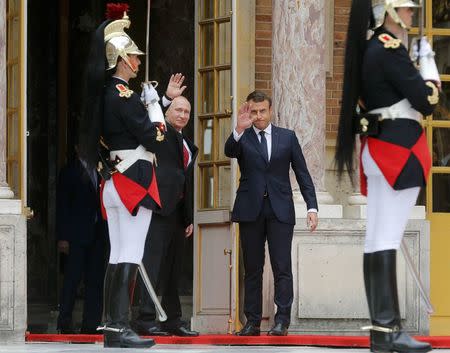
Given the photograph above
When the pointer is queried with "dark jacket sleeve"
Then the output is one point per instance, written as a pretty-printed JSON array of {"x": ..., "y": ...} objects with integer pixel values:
[
  {"x": 302, "y": 174},
  {"x": 402, "y": 74},
  {"x": 232, "y": 148},
  {"x": 136, "y": 120}
]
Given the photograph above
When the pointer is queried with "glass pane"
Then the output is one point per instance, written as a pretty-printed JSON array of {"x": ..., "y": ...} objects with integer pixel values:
[
  {"x": 13, "y": 86},
  {"x": 13, "y": 6},
  {"x": 207, "y": 45},
  {"x": 225, "y": 91},
  {"x": 442, "y": 111},
  {"x": 207, "y": 187},
  {"x": 207, "y": 101},
  {"x": 206, "y": 9},
  {"x": 207, "y": 140},
  {"x": 224, "y": 43},
  {"x": 224, "y": 133},
  {"x": 13, "y": 136},
  {"x": 224, "y": 8},
  {"x": 224, "y": 191},
  {"x": 441, "y": 13},
  {"x": 14, "y": 177},
  {"x": 440, "y": 47},
  {"x": 441, "y": 147},
  {"x": 13, "y": 39},
  {"x": 441, "y": 192}
]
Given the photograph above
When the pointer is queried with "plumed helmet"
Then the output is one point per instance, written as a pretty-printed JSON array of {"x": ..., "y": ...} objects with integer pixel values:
[
  {"x": 117, "y": 42},
  {"x": 381, "y": 7}
]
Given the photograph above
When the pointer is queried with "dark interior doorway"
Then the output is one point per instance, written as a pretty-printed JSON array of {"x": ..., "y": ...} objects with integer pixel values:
[{"x": 58, "y": 37}]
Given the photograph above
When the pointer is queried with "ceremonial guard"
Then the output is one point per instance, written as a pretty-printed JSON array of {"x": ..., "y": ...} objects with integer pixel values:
[
  {"x": 385, "y": 97},
  {"x": 116, "y": 117}
]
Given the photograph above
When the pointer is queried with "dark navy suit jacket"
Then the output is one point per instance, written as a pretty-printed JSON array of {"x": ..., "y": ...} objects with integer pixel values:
[{"x": 259, "y": 175}]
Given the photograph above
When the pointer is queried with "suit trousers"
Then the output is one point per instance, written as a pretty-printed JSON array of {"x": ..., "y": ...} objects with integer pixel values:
[
  {"x": 88, "y": 261},
  {"x": 279, "y": 238},
  {"x": 163, "y": 260}
]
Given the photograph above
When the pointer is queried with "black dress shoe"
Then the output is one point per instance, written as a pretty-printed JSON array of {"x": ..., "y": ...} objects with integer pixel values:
[
  {"x": 153, "y": 329},
  {"x": 249, "y": 329},
  {"x": 279, "y": 329},
  {"x": 182, "y": 331}
]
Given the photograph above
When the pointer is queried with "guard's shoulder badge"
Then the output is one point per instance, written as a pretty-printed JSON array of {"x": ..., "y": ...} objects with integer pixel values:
[
  {"x": 124, "y": 91},
  {"x": 389, "y": 41}
]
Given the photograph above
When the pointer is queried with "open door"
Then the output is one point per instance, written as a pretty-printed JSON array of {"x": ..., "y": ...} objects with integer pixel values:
[{"x": 223, "y": 65}]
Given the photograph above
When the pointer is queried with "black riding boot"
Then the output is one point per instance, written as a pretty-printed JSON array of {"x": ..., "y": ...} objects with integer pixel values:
[
  {"x": 386, "y": 335},
  {"x": 109, "y": 275},
  {"x": 118, "y": 333}
]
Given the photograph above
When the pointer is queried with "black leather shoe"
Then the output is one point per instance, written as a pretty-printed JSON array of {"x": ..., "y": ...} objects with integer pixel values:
[
  {"x": 279, "y": 329},
  {"x": 249, "y": 329},
  {"x": 153, "y": 329},
  {"x": 182, "y": 332},
  {"x": 126, "y": 338}
]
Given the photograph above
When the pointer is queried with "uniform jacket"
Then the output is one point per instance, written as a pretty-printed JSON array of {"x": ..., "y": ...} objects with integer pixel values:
[
  {"x": 174, "y": 182},
  {"x": 126, "y": 125},
  {"x": 259, "y": 175},
  {"x": 389, "y": 76}
]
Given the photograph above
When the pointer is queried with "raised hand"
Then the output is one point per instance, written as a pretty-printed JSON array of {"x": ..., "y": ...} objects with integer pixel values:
[
  {"x": 174, "y": 87},
  {"x": 244, "y": 119}
]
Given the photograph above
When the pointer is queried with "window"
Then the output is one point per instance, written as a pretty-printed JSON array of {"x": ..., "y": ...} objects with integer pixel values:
[
  {"x": 13, "y": 78},
  {"x": 214, "y": 102}
]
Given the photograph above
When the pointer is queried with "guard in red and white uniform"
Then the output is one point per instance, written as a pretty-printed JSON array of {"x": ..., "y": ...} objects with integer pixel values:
[
  {"x": 128, "y": 130},
  {"x": 393, "y": 95}
]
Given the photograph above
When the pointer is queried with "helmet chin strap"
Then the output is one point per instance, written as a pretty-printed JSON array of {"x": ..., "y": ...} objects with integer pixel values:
[
  {"x": 393, "y": 13},
  {"x": 130, "y": 65}
]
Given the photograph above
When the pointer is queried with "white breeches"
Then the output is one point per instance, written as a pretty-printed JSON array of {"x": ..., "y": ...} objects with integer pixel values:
[
  {"x": 388, "y": 210},
  {"x": 127, "y": 233}
]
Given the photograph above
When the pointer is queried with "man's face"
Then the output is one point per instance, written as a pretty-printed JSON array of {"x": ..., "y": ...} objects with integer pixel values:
[
  {"x": 178, "y": 113},
  {"x": 406, "y": 14},
  {"x": 261, "y": 112}
]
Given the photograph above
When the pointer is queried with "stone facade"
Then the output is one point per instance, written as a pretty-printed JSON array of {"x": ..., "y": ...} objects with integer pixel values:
[{"x": 13, "y": 248}]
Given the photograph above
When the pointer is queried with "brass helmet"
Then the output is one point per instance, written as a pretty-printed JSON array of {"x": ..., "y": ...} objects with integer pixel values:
[
  {"x": 380, "y": 7},
  {"x": 118, "y": 43}
]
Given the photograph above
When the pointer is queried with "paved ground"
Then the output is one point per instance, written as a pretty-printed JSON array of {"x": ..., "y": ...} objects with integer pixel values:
[{"x": 89, "y": 348}]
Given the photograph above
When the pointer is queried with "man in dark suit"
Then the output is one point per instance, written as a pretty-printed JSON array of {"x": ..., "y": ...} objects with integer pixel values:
[
  {"x": 264, "y": 207},
  {"x": 82, "y": 237},
  {"x": 171, "y": 225}
]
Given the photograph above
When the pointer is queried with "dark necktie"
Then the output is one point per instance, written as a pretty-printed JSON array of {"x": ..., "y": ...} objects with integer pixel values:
[
  {"x": 185, "y": 156},
  {"x": 264, "y": 145}
]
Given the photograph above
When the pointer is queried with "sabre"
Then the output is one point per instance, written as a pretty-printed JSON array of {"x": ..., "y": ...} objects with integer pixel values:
[
  {"x": 421, "y": 27},
  {"x": 415, "y": 275},
  {"x": 161, "y": 313},
  {"x": 147, "y": 42}
]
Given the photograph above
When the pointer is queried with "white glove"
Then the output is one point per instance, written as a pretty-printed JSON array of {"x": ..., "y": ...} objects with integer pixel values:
[
  {"x": 424, "y": 51},
  {"x": 149, "y": 94},
  {"x": 427, "y": 66}
]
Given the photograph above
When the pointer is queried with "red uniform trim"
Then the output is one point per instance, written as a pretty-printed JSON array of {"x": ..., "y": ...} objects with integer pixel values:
[
  {"x": 130, "y": 192},
  {"x": 102, "y": 206},
  {"x": 392, "y": 158}
]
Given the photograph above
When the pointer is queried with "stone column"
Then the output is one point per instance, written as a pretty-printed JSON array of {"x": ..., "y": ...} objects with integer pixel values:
[
  {"x": 5, "y": 191},
  {"x": 299, "y": 92}
]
